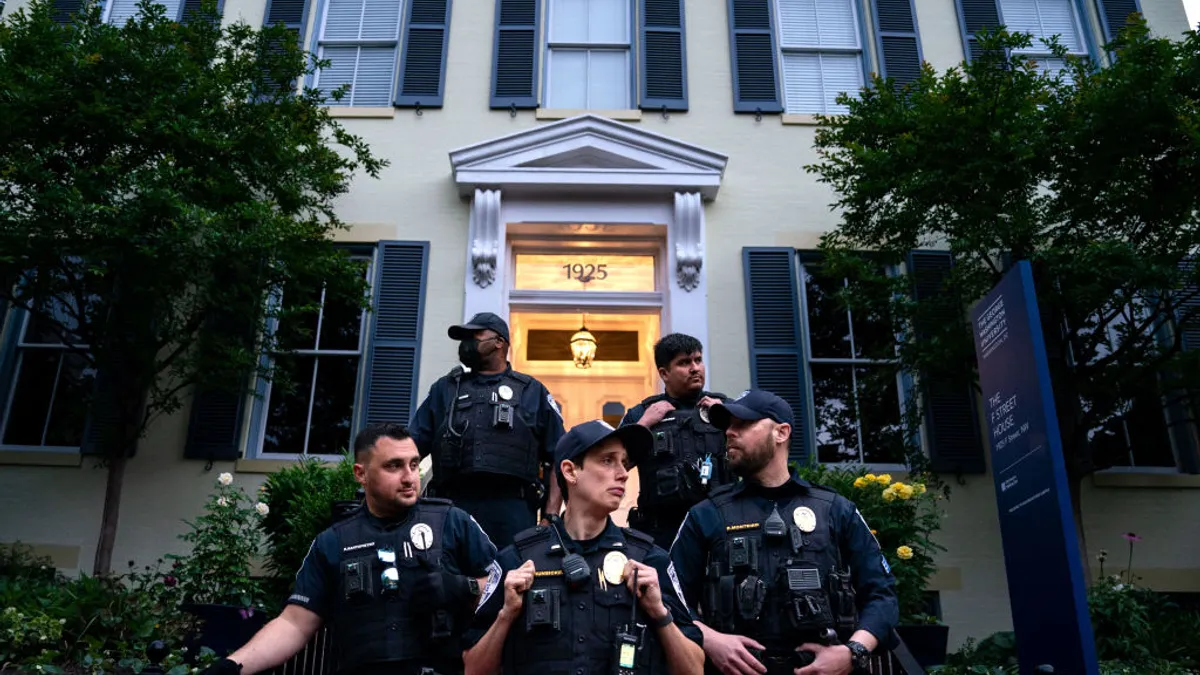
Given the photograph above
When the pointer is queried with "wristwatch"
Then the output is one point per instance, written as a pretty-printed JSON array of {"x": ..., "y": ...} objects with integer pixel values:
[
  {"x": 473, "y": 585},
  {"x": 667, "y": 619},
  {"x": 859, "y": 654}
]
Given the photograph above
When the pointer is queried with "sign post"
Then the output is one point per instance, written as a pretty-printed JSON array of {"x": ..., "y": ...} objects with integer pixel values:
[{"x": 1041, "y": 553}]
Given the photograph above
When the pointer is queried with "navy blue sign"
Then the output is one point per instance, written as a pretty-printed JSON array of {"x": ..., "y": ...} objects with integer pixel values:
[{"x": 1041, "y": 552}]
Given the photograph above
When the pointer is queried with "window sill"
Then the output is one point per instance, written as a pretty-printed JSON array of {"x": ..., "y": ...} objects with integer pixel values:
[
  {"x": 41, "y": 458},
  {"x": 1145, "y": 479},
  {"x": 799, "y": 120},
  {"x": 62, "y": 556},
  {"x": 246, "y": 465},
  {"x": 564, "y": 113},
  {"x": 379, "y": 112}
]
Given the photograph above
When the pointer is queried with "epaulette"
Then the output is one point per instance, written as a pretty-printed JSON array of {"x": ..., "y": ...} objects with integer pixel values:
[
  {"x": 651, "y": 400},
  {"x": 436, "y": 500},
  {"x": 532, "y": 535},
  {"x": 721, "y": 489},
  {"x": 456, "y": 372},
  {"x": 717, "y": 394},
  {"x": 520, "y": 377},
  {"x": 638, "y": 535},
  {"x": 823, "y": 492}
]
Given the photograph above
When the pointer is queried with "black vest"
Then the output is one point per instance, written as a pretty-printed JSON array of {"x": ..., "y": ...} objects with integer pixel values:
[
  {"x": 587, "y": 618},
  {"x": 670, "y": 477},
  {"x": 772, "y": 581},
  {"x": 486, "y": 433},
  {"x": 373, "y": 623}
]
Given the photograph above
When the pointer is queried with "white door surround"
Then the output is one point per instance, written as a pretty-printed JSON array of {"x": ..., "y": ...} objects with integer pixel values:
[{"x": 590, "y": 170}]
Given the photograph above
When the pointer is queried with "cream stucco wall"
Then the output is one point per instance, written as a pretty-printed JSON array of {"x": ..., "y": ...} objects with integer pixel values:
[{"x": 766, "y": 199}]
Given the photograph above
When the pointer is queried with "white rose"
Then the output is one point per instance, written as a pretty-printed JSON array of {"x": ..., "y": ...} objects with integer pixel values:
[
  {"x": 225, "y": 478},
  {"x": 262, "y": 509},
  {"x": 221, "y": 501}
]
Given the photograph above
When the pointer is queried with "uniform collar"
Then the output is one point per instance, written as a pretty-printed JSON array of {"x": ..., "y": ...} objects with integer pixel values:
[
  {"x": 491, "y": 376},
  {"x": 611, "y": 537},
  {"x": 796, "y": 483},
  {"x": 689, "y": 402},
  {"x": 389, "y": 523}
]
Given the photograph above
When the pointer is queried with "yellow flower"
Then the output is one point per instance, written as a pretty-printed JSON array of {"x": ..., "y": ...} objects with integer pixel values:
[
  {"x": 884, "y": 479},
  {"x": 920, "y": 488},
  {"x": 860, "y": 482},
  {"x": 904, "y": 552},
  {"x": 889, "y": 495},
  {"x": 870, "y": 476},
  {"x": 904, "y": 491},
  {"x": 874, "y": 531}
]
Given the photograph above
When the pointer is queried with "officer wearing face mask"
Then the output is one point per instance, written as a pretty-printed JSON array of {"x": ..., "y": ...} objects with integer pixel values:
[{"x": 491, "y": 432}]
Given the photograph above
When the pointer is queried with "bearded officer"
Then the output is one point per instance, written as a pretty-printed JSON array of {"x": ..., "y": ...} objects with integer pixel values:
[
  {"x": 567, "y": 605},
  {"x": 398, "y": 579},
  {"x": 688, "y": 459},
  {"x": 491, "y": 431},
  {"x": 781, "y": 573}
]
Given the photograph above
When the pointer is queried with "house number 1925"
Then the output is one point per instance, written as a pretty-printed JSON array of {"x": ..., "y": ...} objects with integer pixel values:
[{"x": 585, "y": 273}]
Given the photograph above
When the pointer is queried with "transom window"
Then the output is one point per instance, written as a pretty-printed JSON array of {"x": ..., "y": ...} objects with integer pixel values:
[
  {"x": 1045, "y": 19},
  {"x": 821, "y": 54},
  {"x": 588, "y": 62},
  {"x": 361, "y": 39},
  {"x": 52, "y": 384},
  {"x": 855, "y": 388},
  {"x": 315, "y": 414}
]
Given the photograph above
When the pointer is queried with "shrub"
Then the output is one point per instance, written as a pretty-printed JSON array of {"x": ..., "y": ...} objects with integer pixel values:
[{"x": 300, "y": 499}]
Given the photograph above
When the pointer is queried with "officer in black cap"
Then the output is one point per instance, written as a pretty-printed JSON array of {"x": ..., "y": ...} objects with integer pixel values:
[
  {"x": 581, "y": 595},
  {"x": 492, "y": 432},
  {"x": 398, "y": 579},
  {"x": 781, "y": 573},
  {"x": 689, "y": 452}
]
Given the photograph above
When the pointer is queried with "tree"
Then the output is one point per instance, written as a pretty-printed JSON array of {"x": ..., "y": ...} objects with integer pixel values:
[
  {"x": 159, "y": 181},
  {"x": 1088, "y": 173}
]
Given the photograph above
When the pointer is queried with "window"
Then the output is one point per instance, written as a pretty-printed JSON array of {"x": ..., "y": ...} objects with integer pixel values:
[
  {"x": 1044, "y": 19},
  {"x": 51, "y": 384},
  {"x": 856, "y": 391},
  {"x": 314, "y": 415},
  {"x": 821, "y": 53},
  {"x": 588, "y": 63},
  {"x": 117, "y": 12},
  {"x": 361, "y": 39}
]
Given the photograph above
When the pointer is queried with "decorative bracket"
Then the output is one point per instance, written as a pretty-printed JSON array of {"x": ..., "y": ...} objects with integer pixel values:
[
  {"x": 689, "y": 239},
  {"x": 485, "y": 236}
]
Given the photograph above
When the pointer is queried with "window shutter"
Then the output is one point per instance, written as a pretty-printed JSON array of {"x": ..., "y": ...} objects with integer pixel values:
[
  {"x": 63, "y": 9},
  {"x": 951, "y": 422},
  {"x": 291, "y": 13},
  {"x": 663, "y": 55},
  {"x": 423, "y": 64},
  {"x": 215, "y": 424},
  {"x": 514, "y": 54},
  {"x": 752, "y": 49},
  {"x": 1114, "y": 14},
  {"x": 191, "y": 7},
  {"x": 974, "y": 15},
  {"x": 398, "y": 314},
  {"x": 1184, "y": 411},
  {"x": 104, "y": 414},
  {"x": 897, "y": 40},
  {"x": 776, "y": 343}
]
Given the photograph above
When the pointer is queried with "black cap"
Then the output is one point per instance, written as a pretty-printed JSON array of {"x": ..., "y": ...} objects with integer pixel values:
[
  {"x": 751, "y": 406},
  {"x": 637, "y": 439},
  {"x": 481, "y": 321}
]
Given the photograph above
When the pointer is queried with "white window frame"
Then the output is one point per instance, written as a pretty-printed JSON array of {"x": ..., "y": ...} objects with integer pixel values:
[
  {"x": 784, "y": 50},
  {"x": 1038, "y": 51},
  {"x": 21, "y": 325},
  {"x": 320, "y": 44},
  {"x": 588, "y": 48},
  {"x": 903, "y": 392},
  {"x": 262, "y": 403}
]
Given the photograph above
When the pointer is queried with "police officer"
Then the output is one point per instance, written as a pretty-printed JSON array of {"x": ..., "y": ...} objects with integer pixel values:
[
  {"x": 491, "y": 431},
  {"x": 689, "y": 453},
  {"x": 567, "y": 606},
  {"x": 780, "y": 571},
  {"x": 398, "y": 579}
]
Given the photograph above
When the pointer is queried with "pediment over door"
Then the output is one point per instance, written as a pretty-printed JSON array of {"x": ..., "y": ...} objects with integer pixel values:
[{"x": 587, "y": 154}]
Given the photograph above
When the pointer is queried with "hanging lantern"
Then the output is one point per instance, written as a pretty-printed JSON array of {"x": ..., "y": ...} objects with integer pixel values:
[{"x": 583, "y": 347}]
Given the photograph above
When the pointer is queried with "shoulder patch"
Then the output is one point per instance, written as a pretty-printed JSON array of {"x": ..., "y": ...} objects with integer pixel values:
[
  {"x": 553, "y": 405},
  {"x": 886, "y": 568},
  {"x": 495, "y": 574}
]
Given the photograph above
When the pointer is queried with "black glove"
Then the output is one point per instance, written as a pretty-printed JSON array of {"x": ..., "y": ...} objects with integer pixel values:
[
  {"x": 223, "y": 667},
  {"x": 438, "y": 590}
]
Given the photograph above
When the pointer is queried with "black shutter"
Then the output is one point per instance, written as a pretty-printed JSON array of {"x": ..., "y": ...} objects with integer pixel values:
[
  {"x": 951, "y": 421},
  {"x": 215, "y": 425},
  {"x": 63, "y": 9},
  {"x": 515, "y": 54},
  {"x": 291, "y": 13},
  {"x": 1114, "y": 14},
  {"x": 752, "y": 50},
  {"x": 663, "y": 55},
  {"x": 398, "y": 314},
  {"x": 192, "y": 7},
  {"x": 974, "y": 15},
  {"x": 897, "y": 39},
  {"x": 1183, "y": 409},
  {"x": 776, "y": 342},
  {"x": 105, "y": 426},
  {"x": 423, "y": 65}
]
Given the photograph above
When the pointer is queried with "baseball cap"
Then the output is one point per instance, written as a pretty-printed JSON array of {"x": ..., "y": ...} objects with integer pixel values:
[
  {"x": 637, "y": 439},
  {"x": 481, "y": 321},
  {"x": 751, "y": 406}
]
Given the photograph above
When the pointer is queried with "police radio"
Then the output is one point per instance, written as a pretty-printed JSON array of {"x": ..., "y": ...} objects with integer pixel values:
[
  {"x": 575, "y": 569},
  {"x": 625, "y": 644}
]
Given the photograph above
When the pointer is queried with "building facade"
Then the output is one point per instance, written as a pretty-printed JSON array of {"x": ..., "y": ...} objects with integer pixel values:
[{"x": 632, "y": 166}]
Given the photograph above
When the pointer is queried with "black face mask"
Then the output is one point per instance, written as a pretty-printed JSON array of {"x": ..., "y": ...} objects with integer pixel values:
[{"x": 468, "y": 353}]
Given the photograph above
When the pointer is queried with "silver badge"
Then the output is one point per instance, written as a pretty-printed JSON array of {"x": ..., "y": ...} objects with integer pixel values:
[
  {"x": 421, "y": 536},
  {"x": 703, "y": 412},
  {"x": 505, "y": 392},
  {"x": 805, "y": 519}
]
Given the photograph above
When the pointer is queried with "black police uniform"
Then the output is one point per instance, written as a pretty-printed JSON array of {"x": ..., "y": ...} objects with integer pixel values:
[
  {"x": 360, "y": 574},
  {"x": 565, "y": 630},
  {"x": 687, "y": 463},
  {"x": 489, "y": 436},
  {"x": 749, "y": 565}
]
